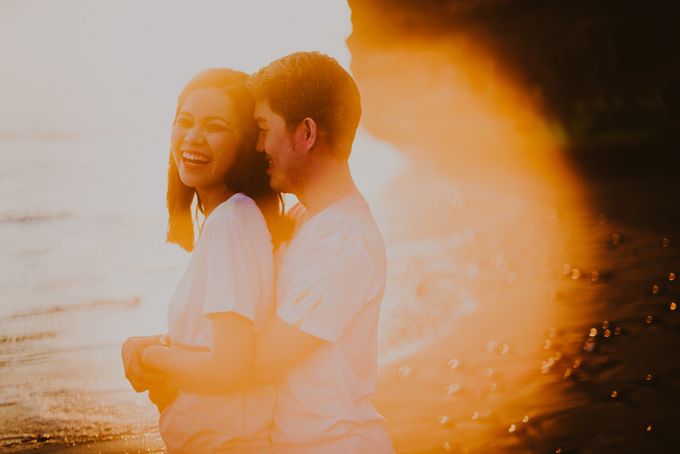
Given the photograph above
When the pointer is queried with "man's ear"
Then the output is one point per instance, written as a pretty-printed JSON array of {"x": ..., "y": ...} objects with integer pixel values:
[{"x": 309, "y": 133}]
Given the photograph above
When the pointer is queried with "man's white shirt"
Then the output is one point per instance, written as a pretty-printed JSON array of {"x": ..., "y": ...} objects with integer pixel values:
[{"x": 330, "y": 284}]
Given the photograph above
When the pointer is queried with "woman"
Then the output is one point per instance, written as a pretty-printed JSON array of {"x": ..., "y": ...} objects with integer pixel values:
[{"x": 226, "y": 292}]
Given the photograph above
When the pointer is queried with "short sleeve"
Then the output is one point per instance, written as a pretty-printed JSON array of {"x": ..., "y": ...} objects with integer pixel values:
[
  {"x": 230, "y": 259},
  {"x": 326, "y": 285}
]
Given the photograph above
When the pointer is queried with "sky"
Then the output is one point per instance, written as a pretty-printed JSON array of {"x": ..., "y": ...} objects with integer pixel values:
[{"x": 79, "y": 66}]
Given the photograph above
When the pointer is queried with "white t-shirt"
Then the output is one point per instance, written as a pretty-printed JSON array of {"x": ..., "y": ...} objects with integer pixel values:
[
  {"x": 231, "y": 270},
  {"x": 330, "y": 284}
]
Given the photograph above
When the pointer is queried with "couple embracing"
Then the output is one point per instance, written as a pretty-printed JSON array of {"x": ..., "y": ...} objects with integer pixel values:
[{"x": 272, "y": 336}]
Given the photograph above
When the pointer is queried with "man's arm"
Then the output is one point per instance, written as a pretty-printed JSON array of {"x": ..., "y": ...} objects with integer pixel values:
[
  {"x": 315, "y": 304},
  {"x": 225, "y": 366},
  {"x": 279, "y": 347}
]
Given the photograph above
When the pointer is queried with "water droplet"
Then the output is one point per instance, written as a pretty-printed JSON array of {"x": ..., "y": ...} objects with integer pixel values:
[
  {"x": 444, "y": 420},
  {"x": 447, "y": 446},
  {"x": 655, "y": 289},
  {"x": 665, "y": 242},
  {"x": 614, "y": 394},
  {"x": 490, "y": 346},
  {"x": 475, "y": 416},
  {"x": 616, "y": 239},
  {"x": 547, "y": 344},
  {"x": 452, "y": 388},
  {"x": 607, "y": 333},
  {"x": 547, "y": 364},
  {"x": 488, "y": 372},
  {"x": 525, "y": 419},
  {"x": 454, "y": 363},
  {"x": 405, "y": 371},
  {"x": 575, "y": 274},
  {"x": 512, "y": 428},
  {"x": 605, "y": 324},
  {"x": 594, "y": 276},
  {"x": 649, "y": 428},
  {"x": 648, "y": 377},
  {"x": 649, "y": 319},
  {"x": 568, "y": 372},
  {"x": 673, "y": 306},
  {"x": 617, "y": 330},
  {"x": 589, "y": 345},
  {"x": 593, "y": 332},
  {"x": 577, "y": 363},
  {"x": 558, "y": 451},
  {"x": 505, "y": 348},
  {"x": 671, "y": 277}
]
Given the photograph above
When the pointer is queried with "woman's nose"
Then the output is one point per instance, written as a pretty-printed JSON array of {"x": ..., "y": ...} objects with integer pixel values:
[{"x": 195, "y": 136}]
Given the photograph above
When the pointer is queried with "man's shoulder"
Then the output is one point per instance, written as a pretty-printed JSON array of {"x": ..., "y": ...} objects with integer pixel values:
[{"x": 340, "y": 235}]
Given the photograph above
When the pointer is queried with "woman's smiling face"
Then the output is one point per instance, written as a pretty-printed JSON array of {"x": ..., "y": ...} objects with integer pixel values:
[{"x": 205, "y": 139}]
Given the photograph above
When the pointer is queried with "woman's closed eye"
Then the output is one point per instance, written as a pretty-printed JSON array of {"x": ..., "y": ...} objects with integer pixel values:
[
  {"x": 184, "y": 122},
  {"x": 216, "y": 127}
]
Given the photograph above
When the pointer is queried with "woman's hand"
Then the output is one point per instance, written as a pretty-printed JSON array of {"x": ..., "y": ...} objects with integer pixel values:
[
  {"x": 151, "y": 357},
  {"x": 140, "y": 378},
  {"x": 162, "y": 394}
]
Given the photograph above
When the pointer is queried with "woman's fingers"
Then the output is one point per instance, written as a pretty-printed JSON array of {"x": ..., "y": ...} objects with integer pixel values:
[
  {"x": 137, "y": 375},
  {"x": 162, "y": 395}
]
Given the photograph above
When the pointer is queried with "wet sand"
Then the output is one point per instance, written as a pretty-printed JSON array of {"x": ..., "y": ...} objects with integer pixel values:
[{"x": 609, "y": 379}]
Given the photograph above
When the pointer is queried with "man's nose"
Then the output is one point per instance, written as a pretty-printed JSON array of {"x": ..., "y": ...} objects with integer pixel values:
[{"x": 259, "y": 146}]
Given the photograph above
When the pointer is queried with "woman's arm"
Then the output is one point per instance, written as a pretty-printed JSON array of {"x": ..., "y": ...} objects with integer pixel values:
[{"x": 227, "y": 365}]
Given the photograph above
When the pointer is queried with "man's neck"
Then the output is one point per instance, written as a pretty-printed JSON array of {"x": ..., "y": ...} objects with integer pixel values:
[{"x": 327, "y": 183}]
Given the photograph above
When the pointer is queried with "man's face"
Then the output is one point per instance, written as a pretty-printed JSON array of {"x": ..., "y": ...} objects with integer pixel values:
[{"x": 278, "y": 144}]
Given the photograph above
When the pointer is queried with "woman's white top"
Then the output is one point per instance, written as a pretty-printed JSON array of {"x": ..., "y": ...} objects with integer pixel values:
[{"x": 231, "y": 270}]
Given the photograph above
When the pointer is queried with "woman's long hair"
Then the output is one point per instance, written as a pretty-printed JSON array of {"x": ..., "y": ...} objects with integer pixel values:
[{"x": 248, "y": 173}]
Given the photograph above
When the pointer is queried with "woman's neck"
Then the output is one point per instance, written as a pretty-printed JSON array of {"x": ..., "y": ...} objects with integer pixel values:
[{"x": 211, "y": 197}]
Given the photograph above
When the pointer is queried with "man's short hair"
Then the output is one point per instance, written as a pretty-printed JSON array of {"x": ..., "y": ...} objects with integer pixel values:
[{"x": 314, "y": 85}]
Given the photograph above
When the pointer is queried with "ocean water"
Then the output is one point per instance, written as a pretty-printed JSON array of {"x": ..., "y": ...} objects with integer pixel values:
[
  {"x": 84, "y": 266},
  {"x": 474, "y": 267}
]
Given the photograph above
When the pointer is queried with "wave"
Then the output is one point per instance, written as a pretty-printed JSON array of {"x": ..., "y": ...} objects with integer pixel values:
[
  {"x": 4, "y": 339},
  {"x": 126, "y": 303}
]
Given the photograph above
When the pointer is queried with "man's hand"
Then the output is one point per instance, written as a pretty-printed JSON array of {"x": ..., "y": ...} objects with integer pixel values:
[{"x": 131, "y": 352}]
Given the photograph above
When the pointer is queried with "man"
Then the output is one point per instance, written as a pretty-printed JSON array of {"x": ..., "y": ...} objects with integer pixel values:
[{"x": 321, "y": 343}]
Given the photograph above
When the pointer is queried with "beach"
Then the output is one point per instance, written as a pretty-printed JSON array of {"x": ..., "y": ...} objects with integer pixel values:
[{"x": 586, "y": 364}]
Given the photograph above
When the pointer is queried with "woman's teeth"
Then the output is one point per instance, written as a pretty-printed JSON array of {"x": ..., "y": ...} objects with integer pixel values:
[{"x": 194, "y": 158}]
